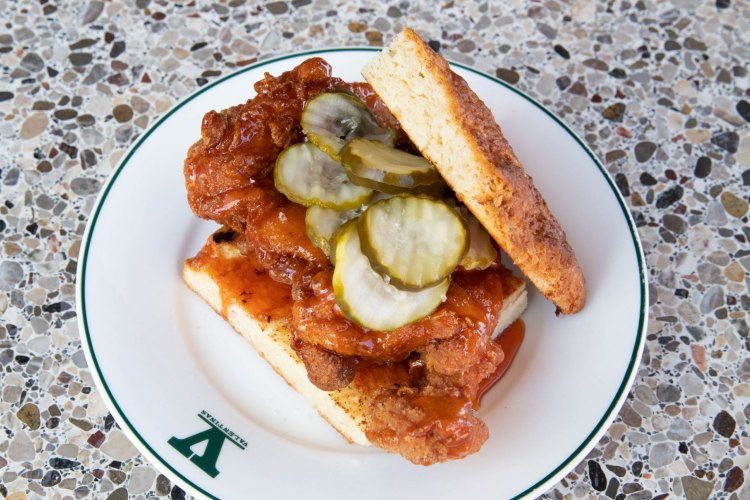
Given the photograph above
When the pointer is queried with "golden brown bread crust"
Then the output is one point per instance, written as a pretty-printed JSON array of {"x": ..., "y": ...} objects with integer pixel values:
[{"x": 453, "y": 128}]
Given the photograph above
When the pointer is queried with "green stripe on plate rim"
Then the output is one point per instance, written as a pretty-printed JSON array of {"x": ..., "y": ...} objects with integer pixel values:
[{"x": 83, "y": 322}]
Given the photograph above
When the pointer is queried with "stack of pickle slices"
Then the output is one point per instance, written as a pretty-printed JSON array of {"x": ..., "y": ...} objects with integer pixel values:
[{"x": 380, "y": 214}]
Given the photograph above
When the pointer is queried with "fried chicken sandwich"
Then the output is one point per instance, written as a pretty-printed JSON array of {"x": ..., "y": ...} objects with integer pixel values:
[{"x": 358, "y": 248}]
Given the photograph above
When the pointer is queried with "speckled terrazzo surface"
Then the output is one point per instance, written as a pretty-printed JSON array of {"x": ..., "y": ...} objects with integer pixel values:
[{"x": 659, "y": 90}]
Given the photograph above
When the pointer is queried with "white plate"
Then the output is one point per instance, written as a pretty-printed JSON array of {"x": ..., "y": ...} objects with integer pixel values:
[{"x": 161, "y": 357}]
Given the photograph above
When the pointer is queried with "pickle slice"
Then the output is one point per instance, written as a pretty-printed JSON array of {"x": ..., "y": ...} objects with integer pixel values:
[
  {"x": 481, "y": 253},
  {"x": 309, "y": 177},
  {"x": 384, "y": 168},
  {"x": 321, "y": 223},
  {"x": 416, "y": 242},
  {"x": 333, "y": 118},
  {"x": 366, "y": 298}
]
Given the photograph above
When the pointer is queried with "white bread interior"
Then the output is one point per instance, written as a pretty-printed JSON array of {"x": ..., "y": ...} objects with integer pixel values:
[
  {"x": 343, "y": 409},
  {"x": 514, "y": 304}
]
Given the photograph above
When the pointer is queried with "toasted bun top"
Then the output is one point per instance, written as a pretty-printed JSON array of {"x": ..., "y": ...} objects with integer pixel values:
[{"x": 454, "y": 129}]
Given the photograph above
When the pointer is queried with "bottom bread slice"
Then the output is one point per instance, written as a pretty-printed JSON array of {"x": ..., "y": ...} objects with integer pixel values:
[{"x": 213, "y": 275}]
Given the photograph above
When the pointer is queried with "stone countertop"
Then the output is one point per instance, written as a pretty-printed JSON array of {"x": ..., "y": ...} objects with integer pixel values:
[{"x": 658, "y": 89}]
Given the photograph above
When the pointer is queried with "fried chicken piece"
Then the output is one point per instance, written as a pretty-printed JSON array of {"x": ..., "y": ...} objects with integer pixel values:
[
  {"x": 460, "y": 364},
  {"x": 325, "y": 369},
  {"x": 474, "y": 301},
  {"x": 431, "y": 419},
  {"x": 424, "y": 428},
  {"x": 463, "y": 362},
  {"x": 239, "y": 145},
  {"x": 316, "y": 318},
  {"x": 278, "y": 239}
]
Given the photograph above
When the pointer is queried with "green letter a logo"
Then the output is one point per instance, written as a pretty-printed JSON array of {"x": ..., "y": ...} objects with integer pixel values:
[{"x": 214, "y": 437}]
